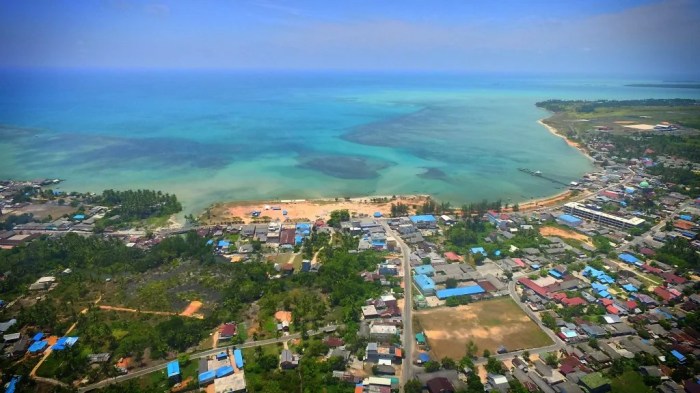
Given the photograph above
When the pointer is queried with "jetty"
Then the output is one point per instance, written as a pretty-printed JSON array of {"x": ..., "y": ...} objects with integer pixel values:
[{"x": 540, "y": 175}]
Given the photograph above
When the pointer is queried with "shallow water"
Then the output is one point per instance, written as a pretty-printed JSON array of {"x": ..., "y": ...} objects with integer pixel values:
[{"x": 211, "y": 136}]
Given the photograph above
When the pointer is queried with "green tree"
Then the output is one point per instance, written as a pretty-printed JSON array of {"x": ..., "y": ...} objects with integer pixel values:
[
  {"x": 431, "y": 366},
  {"x": 413, "y": 386},
  {"x": 549, "y": 321},
  {"x": 448, "y": 363},
  {"x": 551, "y": 359},
  {"x": 451, "y": 283},
  {"x": 472, "y": 349},
  {"x": 494, "y": 366}
]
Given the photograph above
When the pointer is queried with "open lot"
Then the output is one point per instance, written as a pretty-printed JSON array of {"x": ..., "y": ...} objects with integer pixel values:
[
  {"x": 306, "y": 209},
  {"x": 489, "y": 324},
  {"x": 565, "y": 234}
]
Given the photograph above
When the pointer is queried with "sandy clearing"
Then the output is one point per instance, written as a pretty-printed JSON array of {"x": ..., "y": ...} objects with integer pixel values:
[
  {"x": 192, "y": 308},
  {"x": 306, "y": 209},
  {"x": 643, "y": 127},
  {"x": 542, "y": 202},
  {"x": 489, "y": 324},
  {"x": 567, "y": 234},
  {"x": 166, "y": 313}
]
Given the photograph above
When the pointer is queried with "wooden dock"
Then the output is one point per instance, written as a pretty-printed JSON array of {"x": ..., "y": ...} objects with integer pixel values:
[{"x": 541, "y": 176}]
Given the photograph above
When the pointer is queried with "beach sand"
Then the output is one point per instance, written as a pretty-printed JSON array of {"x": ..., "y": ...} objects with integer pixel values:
[
  {"x": 569, "y": 142},
  {"x": 538, "y": 203},
  {"x": 306, "y": 209}
]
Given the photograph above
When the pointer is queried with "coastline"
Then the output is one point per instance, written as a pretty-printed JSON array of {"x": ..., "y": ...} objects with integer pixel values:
[
  {"x": 314, "y": 209},
  {"x": 568, "y": 141}
]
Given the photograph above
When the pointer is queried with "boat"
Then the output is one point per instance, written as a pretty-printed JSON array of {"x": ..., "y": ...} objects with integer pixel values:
[{"x": 538, "y": 173}]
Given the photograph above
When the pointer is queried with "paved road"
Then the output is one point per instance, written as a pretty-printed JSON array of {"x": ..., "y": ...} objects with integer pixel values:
[
  {"x": 558, "y": 343},
  {"x": 408, "y": 347},
  {"x": 198, "y": 355}
]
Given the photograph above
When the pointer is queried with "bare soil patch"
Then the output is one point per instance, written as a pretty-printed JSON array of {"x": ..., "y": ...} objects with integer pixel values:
[
  {"x": 489, "y": 324},
  {"x": 566, "y": 234},
  {"x": 305, "y": 209}
]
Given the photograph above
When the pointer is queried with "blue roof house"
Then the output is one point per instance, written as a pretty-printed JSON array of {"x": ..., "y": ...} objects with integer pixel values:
[
  {"x": 460, "y": 291},
  {"x": 37, "y": 347},
  {"x": 207, "y": 377},
  {"x": 223, "y": 244},
  {"x": 423, "y": 357},
  {"x": 238, "y": 357},
  {"x": 628, "y": 258},
  {"x": 678, "y": 355},
  {"x": 427, "y": 270},
  {"x": 425, "y": 284},
  {"x": 422, "y": 218},
  {"x": 479, "y": 250},
  {"x": 174, "y": 372},
  {"x": 11, "y": 387},
  {"x": 224, "y": 371},
  {"x": 569, "y": 220},
  {"x": 629, "y": 288},
  {"x": 79, "y": 217}
]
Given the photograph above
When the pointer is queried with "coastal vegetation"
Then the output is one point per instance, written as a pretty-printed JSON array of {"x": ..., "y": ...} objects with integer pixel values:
[
  {"x": 577, "y": 119},
  {"x": 333, "y": 295},
  {"x": 134, "y": 205}
]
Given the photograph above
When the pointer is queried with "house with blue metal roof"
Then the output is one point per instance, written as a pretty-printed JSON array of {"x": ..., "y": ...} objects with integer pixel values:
[
  {"x": 224, "y": 371},
  {"x": 37, "y": 347},
  {"x": 479, "y": 250},
  {"x": 206, "y": 377},
  {"x": 460, "y": 291},
  {"x": 238, "y": 357},
  {"x": 678, "y": 355},
  {"x": 424, "y": 221},
  {"x": 11, "y": 386},
  {"x": 630, "y": 288},
  {"x": 427, "y": 270},
  {"x": 425, "y": 284},
  {"x": 569, "y": 220},
  {"x": 555, "y": 273},
  {"x": 173, "y": 371},
  {"x": 423, "y": 357},
  {"x": 223, "y": 244},
  {"x": 629, "y": 258}
]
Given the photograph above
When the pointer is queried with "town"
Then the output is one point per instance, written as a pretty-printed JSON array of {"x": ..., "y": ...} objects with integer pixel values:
[{"x": 594, "y": 291}]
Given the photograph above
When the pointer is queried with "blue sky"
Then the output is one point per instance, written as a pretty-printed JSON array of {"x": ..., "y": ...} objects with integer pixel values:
[{"x": 534, "y": 36}]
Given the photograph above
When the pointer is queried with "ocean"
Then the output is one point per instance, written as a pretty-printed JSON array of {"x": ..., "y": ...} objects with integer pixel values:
[{"x": 213, "y": 136}]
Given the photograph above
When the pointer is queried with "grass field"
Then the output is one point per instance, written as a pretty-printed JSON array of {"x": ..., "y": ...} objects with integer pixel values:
[{"x": 489, "y": 324}]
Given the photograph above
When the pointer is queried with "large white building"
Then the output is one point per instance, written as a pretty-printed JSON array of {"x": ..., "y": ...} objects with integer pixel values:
[{"x": 579, "y": 210}]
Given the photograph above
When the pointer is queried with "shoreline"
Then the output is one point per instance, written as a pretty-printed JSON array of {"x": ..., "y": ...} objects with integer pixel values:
[
  {"x": 568, "y": 141},
  {"x": 313, "y": 209}
]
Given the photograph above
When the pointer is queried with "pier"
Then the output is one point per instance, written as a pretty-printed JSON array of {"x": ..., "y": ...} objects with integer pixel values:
[{"x": 538, "y": 174}]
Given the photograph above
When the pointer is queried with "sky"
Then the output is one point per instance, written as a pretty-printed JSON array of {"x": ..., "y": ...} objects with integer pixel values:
[{"x": 620, "y": 37}]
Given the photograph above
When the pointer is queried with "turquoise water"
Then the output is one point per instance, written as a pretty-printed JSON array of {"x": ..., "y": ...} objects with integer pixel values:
[{"x": 211, "y": 136}]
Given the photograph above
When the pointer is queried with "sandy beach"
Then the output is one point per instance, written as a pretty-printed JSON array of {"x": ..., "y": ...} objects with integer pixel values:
[
  {"x": 569, "y": 142},
  {"x": 298, "y": 210},
  {"x": 534, "y": 204}
]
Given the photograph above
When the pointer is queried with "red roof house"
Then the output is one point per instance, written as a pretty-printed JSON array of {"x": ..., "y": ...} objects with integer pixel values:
[
  {"x": 453, "y": 257},
  {"x": 612, "y": 309},
  {"x": 673, "y": 279},
  {"x": 576, "y": 301},
  {"x": 663, "y": 293}
]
